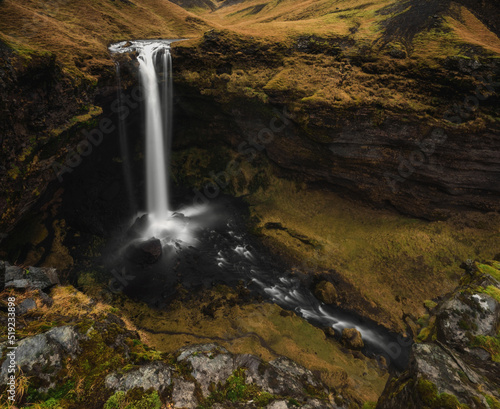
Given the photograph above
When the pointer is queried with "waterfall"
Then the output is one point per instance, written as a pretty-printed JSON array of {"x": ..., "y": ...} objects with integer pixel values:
[
  {"x": 124, "y": 148},
  {"x": 155, "y": 78},
  {"x": 158, "y": 125}
]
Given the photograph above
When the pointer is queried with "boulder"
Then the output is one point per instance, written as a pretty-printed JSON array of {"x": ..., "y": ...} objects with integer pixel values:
[
  {"x": 467, "y": 314},
  {"x": 435, "y": 377},
  {"x": 25, "y": 306},
  {"x": 352, "y": 339},
  {"x": 144, "y": 252},
  {"x": 210, "y": 364},
  {"x": 454, "y": 367},
  {"x": 156, "y": 375},
  {"x": 183, "y": 394},
  {"x": 43, "y": 355},
  {"x": 326, "y": 292},
  {"x": 34, "y": 278}
]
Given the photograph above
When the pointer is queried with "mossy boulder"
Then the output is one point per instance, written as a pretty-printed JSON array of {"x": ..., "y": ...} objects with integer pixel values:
[
  {"x": 325, "y": 291},
  {"x": 352, "y": 339},
  {"x": 456, "y": 367}
]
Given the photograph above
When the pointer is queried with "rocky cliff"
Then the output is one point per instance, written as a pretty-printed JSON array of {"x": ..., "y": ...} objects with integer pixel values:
[{"x": 456, "y": 362}]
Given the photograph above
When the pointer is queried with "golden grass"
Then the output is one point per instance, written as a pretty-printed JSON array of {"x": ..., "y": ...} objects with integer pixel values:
[
  {"x": 386, "y": 256},
  {"x": 259, "y": 329},
  {"x": 73, "y": 29},
  {"x": 471, "y": 30},
  {"x": 280, "y": 20}
]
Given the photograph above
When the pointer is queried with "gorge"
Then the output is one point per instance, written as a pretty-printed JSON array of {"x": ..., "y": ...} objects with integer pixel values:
[{"x": 286, "y": 173}]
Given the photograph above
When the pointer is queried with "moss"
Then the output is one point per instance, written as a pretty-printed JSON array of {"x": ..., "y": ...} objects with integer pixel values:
[
  {"x": 141, "y": 353},
  {"x": 423, "y": 320},
  {"x": 490, "y": 270},
  {"x": 54, "y": 396},
  {"x": 127, "y": 400},
  {"x": 237, "y": 390},
  {"x": 489, "y": 344},
  {"x": 318, "y": 393},
  {"x": 429, "y": 395},
  {"x": 430, "y": 305},
  {"x": 493, "y": 403},
  {"x": 492, "y": 291}
]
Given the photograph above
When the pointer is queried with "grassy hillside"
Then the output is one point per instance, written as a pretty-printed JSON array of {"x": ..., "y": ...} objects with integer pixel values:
[
  {"x": 78, "y": 33},
  {"x": 363, "y": 21}
]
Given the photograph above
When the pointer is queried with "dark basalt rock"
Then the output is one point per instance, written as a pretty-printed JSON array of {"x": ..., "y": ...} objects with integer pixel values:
[
  {"x": 139, "y": 227},
  {"x": 145, "y": 252},
  {"x": 34, "y": 278}
]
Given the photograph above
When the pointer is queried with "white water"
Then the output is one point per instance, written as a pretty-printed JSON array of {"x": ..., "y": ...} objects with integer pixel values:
[
  {"x": 180, "y": 229},
  {"x": 156, "y": 134}
]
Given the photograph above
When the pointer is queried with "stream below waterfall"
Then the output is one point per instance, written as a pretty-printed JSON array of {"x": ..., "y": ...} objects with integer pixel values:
[{"x": 206, "y": 244}]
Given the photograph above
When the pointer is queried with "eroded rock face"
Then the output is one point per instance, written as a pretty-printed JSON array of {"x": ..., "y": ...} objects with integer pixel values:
[
  {"x": 455, "y": 366},
  {"x": 465, "y": 316},
  {"x": 211, "y": 367}
]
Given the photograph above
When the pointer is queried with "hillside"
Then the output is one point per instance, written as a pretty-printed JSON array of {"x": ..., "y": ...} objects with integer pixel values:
[{"x": 353, "y": 143}]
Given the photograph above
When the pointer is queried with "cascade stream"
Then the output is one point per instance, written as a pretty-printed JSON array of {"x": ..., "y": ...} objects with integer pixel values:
[{"x": 227, "y": 251}]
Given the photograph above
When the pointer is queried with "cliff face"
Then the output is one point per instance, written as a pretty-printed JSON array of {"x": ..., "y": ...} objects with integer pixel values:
[
  {"x": 456, "y": 365},
  {"x": 429, "y": 160},
  {"x": 38, "y": 103}
]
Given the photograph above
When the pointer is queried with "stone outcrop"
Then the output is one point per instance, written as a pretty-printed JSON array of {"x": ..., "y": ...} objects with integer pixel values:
[
  {"x": 457, "y": 363},
  {"x": 43, "y": 356},
  {"x": 213, "y": 369},
  {"x": 426, "y": 166},
  {"x": 156, "y": 375},
  {"x": 34, "y": 278}
]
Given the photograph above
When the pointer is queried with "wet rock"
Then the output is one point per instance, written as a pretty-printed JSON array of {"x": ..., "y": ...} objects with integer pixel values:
[
  {"x": 25, "y": 306},
  {"x": 183, "y": 394},
  {"x": 34, "y": 278},
  {"x": 156, "y": 375},
  {"x": 145, "y": 252},
  {"x": 326, "y": 292},
  {"x": 329, "y": 331},
  {"x": 137, "y": 230},
  {"x": 352, "y": 339}
]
